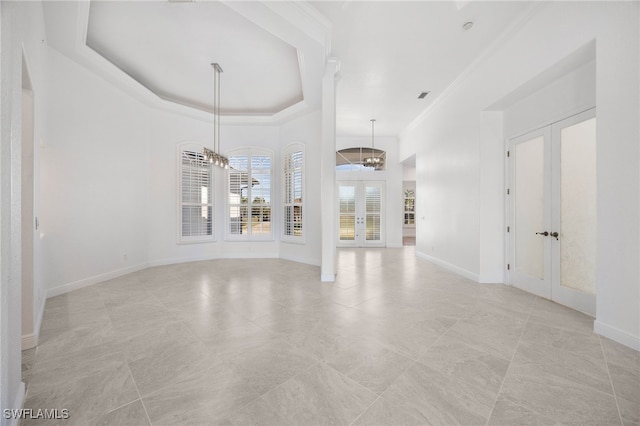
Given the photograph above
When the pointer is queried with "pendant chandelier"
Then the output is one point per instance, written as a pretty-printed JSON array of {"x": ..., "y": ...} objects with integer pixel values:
[
  {"x": 214, "y": 156},
  {"x": 374, "y": 160}
]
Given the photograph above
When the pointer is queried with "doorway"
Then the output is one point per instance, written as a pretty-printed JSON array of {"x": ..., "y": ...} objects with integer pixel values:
[
  {"x": 552, "y": 218},
  {"x": 361, "y": 213}
]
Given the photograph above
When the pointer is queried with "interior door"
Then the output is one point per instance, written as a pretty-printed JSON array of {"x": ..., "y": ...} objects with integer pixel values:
[
  {"x": 530, "y": 196},
  {"x": 574, "y": 214},
  {"x": 361, "y": 214},
  {"x": 552, "y": 199}
]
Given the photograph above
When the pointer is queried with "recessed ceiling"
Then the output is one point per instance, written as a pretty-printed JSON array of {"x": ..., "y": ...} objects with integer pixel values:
[
  {"x": 168, "y": 47},
  {"x": 390, "y": 51}
]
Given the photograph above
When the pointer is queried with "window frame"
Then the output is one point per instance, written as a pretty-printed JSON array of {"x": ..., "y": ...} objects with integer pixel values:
[
  {"x": 249, "y": 152},
  {"x": 288, "y": 151},
  {"x": 181, "y": 239}
]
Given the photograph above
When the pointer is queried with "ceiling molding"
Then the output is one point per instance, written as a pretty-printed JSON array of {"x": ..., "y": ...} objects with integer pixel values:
[
  {"x": 506, "y": 36},
  {"x": 70, "y": 39},
  {"x": 307, "y": 19}
]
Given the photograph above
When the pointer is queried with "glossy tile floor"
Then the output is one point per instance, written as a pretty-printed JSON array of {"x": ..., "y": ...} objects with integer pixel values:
[{"x": 395, "y": 340}]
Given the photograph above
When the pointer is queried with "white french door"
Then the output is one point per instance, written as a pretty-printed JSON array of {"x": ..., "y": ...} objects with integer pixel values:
[
  {"x": 552, "y": 203},
  {"x": 360, "y": 214}
]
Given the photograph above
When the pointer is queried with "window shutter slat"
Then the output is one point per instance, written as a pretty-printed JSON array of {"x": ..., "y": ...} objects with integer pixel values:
[{"x": 196, "y": 197}]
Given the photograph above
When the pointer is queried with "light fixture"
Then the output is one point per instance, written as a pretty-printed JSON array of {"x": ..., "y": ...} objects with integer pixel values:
[
  {"x": 467, "y": 25},
  {"x": 214, "y": 156},
  {"x": 374, "y": 161}
]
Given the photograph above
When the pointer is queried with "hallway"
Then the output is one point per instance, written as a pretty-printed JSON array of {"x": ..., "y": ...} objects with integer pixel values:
[{"x": 395, "y": 340}]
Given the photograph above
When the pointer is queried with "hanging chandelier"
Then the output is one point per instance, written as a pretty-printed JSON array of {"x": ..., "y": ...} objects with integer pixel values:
[
  {"x": 374, "y": 160},
  {"x": 214, "y": 156}
]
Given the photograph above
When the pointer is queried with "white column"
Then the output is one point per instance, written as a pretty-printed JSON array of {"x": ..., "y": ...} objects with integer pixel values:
[{"x": 328, "y": 171}]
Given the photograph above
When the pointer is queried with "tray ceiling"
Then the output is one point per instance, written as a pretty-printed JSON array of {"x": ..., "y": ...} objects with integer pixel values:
[{"x": 168, "y": 48}]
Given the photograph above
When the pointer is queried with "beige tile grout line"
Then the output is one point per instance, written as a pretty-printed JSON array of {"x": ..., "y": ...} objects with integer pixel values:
[
  {"x": 122, "y": 406},
  {"x": 318, "y": 362},
  {"x": 511, "y": 360},
  {"x": 407, "y": 369},
  {"x": 139, "y": 395},
  {"x": 128, "y": 368},
  {"x": 606, "y": 363}
]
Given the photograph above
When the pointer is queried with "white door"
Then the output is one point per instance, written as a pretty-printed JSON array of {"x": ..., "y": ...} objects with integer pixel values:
[
  {"x": 552, "y": 198},
  {"x": 360, "y": 214}
]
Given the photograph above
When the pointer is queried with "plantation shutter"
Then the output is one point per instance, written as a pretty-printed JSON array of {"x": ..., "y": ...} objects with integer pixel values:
[
  {"x": 293, "y": 184},
  {"x": 373, "y": 204},
  {"x": 196, "y": 196}
]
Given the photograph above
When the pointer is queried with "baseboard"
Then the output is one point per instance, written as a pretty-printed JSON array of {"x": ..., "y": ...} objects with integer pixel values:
[
  {"x": 248, "y": 255},
  {"x": 328, "y": 278},
  {"x": 453, "y": 268},
  {"x": 39, "y": 319},
  {"x": 29, "y": 341},
  {"x": 66, "y": 288},
  {"x": 394, "y": 245},
  {"x": 164, "y": 262},
  {"x": 617, "y": 335},
  {"x": 18, "y": 404},
  {"x": 306, "y": 261}
]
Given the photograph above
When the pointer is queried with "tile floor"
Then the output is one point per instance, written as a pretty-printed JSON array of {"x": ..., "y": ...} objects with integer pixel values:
[{"x": 394, "y": 341}]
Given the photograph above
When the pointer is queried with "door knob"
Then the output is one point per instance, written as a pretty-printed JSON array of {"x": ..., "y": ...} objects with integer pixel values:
[
  {"x": 545, "y": 233},
  {"x": 555, "y": 234}
]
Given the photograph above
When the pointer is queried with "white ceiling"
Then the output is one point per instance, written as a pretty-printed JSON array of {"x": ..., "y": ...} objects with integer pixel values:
[
  {"x": 392, "y": 50},
  {"x": 272, "y": 53},
  {"x": 168, "y": 48}
]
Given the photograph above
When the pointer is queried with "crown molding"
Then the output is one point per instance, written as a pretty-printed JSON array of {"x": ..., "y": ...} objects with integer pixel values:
[{"x": 296, "y": 23}]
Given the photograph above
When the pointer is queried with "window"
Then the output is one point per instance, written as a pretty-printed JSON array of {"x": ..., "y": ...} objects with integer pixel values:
[
  {"x": 360, "y": 159},
  {"x": 250, "y": 195},
  {"x": 409, "y": 207},
  {"x": 292, "y": 191},
  {"x": 195, "y": 195}
]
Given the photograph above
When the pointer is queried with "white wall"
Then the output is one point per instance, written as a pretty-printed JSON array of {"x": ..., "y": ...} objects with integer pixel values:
[
  {"x": 166, "y": 132},
  {"x": 126, "y": 200},
  {"x": 22, "y": 32},
  {"x": 574, "y": 92},
  {"x": 458, "y": 145},
  {"x": 408, "y": 173},
  {"x": 392, "y": 175},
  {"x": 95, "y": 171},
  {"x": 306, "y": 130}
]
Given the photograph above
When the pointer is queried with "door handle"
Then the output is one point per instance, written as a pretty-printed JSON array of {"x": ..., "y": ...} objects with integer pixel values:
[
  {"x": 555, "y": 234},
  {"x": 545, "y": 233}
]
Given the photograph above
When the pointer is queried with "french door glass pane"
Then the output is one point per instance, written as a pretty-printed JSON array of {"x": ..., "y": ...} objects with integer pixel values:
[
  {"x": 373, "y": 202},
  {"x": 373, "y": 199},
  {"x": 347, "y": 227},
  {"x": 578, "y": 206},
  {"x": 347, "y": 199},
  {"x": 373, "y": 227},
  {"x": 347, "y": 196},
  {"x": 529, "y": 204}
]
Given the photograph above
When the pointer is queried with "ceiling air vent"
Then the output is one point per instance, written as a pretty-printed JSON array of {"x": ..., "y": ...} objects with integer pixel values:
[{"x": 423, "y": 95}]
